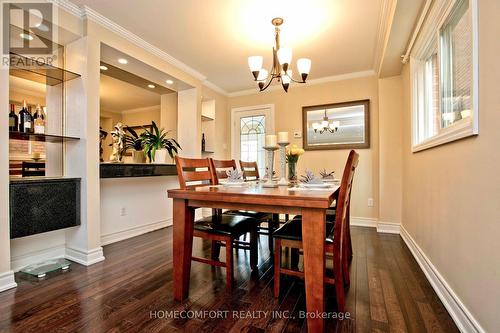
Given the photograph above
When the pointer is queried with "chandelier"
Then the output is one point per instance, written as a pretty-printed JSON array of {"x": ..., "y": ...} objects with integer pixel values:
[
  {"x": 326, "y": 125},
  {"x": 282, "y": 58}
]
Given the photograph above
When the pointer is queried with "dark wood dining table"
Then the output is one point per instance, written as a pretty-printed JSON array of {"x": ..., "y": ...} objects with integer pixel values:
[{"x": 311, "y": 204}]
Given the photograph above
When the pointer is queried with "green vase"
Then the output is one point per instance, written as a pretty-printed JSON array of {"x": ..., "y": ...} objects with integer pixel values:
[{"x": 292, "y": 170}]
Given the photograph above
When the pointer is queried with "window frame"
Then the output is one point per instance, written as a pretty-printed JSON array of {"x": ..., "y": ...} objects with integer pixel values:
[{"x": 439, "y": 16}]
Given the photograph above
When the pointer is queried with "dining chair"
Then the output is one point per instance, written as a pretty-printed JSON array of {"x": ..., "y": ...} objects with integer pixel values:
[
  {"x": 290, "y": 235},
  {"x": 222, "y": 228},
  {"x": 251, "y": 173},
  {"x": 221, "y": 166}
]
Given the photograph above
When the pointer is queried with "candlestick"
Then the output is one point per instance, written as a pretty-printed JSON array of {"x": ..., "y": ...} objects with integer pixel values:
[
  {"x": 283, "y": 137},
  {"x": 271, "y": 140},
  {"x": 269, "y": 166},
  {"x": 283, "y": 181}
]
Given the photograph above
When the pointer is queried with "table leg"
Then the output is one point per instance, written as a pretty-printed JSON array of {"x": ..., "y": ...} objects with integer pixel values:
[
  {"x": 183, "y": 221},
  {"x": 313, "y": 241}
]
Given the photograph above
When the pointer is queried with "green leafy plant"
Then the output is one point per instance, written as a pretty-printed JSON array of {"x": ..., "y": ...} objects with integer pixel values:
[
  {"x": 156, "y": 139},
  {"x": 132, "y": 140}
]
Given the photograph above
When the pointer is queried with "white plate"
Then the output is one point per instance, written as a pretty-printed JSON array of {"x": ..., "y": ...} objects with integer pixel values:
[
  {"x": 234, "y": 184},
  {"x": 331, "y": 180},
  {"x": 315, "y": 185}
]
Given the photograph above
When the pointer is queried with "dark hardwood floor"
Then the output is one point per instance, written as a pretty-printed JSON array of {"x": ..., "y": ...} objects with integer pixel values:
[{"x": 132, "y": 291}]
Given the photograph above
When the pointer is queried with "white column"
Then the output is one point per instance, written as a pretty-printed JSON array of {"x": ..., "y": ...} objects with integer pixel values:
[
  {"x": 83, "y": 244},
  {"x": 189, "y": 122},
  {"x": 6, "y": 274}
]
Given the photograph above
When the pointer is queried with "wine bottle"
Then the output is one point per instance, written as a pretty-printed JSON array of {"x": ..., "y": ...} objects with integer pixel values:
[
  {"x": 13, "y": 121},
  {"x": 203, "y": 142},
  {"x": 25, "y": 119},
  {"x": 39, "y": 120}
]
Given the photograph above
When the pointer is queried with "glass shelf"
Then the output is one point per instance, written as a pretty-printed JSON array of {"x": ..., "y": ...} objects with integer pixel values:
[
  {"x": 40, "y": 270},
  {"x": 40, "y": 137},
  {"x": 26, "y": 68}
]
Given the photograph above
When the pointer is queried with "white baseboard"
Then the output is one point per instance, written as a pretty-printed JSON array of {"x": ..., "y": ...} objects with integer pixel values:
[
  {"x": 363, "y": 222},
  {"x": 7, "y": 281},
  {"x": 388, "y": 227},
  {"x": 18, "y": 262},
  {"x": 457, "y": 310},
  {"x": 83, "y": 257},
  {"x": 132, "y": 232}
]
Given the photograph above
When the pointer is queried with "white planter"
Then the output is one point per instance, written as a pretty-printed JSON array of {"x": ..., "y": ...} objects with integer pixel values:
[{"x": 160, "y": 156}]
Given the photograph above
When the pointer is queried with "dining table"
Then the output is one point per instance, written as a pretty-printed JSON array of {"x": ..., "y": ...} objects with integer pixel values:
[{"x": 310, "y": 203}]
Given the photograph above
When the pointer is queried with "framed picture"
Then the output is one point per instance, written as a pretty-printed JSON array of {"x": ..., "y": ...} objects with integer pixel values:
[{"x": 336, "y": 126}]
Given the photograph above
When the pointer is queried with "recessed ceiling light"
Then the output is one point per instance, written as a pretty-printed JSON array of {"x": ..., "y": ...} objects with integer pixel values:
[
  {"x": 152, "y": 86},
  {"x": 169, "y": 82},
  {"x": 104, "y": 68},
  {"x": 123, "y": 61},
  {"x": 26, "y": 36}
]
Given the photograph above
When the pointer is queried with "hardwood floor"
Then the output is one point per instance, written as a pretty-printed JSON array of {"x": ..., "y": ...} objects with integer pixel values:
[{"x": 132, "y": 291}]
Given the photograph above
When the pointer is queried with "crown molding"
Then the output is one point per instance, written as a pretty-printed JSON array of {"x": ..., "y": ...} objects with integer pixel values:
[
  {"x": 326, "y": 79},
  {"x": 88, "y": 13},
  {"x": 388, "y": 8},
  {"x": 215, "y": 88}
]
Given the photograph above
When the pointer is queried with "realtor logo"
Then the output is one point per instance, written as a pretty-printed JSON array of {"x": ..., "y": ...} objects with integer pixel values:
[{"x": 27, "y": 28}]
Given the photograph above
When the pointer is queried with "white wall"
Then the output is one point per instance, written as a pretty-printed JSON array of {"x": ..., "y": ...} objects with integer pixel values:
[{"x": 133, "y": 206}]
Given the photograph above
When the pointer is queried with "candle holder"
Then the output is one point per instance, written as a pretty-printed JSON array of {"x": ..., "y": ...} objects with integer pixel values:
[
  {"x": 269, "y": 167},
  {"x": 283, "y": 181}
]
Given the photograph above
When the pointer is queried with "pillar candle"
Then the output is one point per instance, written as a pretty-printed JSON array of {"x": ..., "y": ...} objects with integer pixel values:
[
  {"x": 282, "y": 136},
  {"x": 270, "y": 140}
]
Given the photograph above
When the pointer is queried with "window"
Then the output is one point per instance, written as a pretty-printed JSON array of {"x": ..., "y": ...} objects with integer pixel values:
[
  {"x": 444, "y": 76},
  {"x": 252, "y": 137}
]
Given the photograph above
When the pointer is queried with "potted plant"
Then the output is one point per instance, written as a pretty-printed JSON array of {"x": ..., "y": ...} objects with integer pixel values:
[
  {"x": 157, "y": 145},
  {"x": 135, "y": 142}
]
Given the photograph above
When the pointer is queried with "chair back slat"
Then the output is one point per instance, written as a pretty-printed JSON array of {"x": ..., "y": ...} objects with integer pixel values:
[
  {"x": 342, "y": 208},
  {"x": 250, "y": 170},
  {"x": 221, "y": 166},
  {"x": 197, "y": 170}
]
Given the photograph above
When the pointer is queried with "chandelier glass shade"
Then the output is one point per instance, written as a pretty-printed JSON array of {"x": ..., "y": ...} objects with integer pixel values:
[
  {"x": 282, "y": 59},
  {"x": 326, "y": 125}
]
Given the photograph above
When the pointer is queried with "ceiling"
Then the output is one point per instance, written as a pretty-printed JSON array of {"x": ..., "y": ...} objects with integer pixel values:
[
  {"x": 216, "y": 37},
  {"x": 119, "y": 96}
]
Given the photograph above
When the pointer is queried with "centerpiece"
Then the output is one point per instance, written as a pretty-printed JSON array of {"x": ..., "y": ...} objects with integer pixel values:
[{"x": 292, "y": 157}]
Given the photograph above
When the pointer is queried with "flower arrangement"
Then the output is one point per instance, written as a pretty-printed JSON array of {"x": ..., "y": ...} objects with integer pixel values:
[{"x": 292, "y": 156}]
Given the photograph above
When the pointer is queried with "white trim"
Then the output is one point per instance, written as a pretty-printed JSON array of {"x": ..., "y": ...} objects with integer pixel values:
[
  {"x": 385, "y": 20},
  {"x": 142, "y": 109},
  {"x": 7, "y": 281},
  {"x": 215, "y": 88},
  {"x": 83, "y": 257},
  {"x": 134, "y": 231},
  {"x": 247, "y": 109},
  {"x": 457, "y": 310},
  {"x": 455, "y": 132},
  {"x": 363, "y": 222},
  {"x": 388, "y": 227},
  {"x": 19, "y": 262},
  {"x": 326, "y": 79}
]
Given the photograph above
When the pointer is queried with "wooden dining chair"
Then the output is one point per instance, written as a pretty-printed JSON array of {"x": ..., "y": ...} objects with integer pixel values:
[
  {"x": 250, "y": 170},
  {"x": 290, "y": 235},
  {"x": 221, "y": 166},
  {"x": 221, "y": 228}
]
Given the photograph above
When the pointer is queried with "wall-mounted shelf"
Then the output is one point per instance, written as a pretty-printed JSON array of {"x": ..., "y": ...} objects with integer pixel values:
[
  {"x": 206, "y": 118},
  {"x": 41, "y": 137},
  {"x": 207, "y": 152},
  {"x": 26, "y": 68}
]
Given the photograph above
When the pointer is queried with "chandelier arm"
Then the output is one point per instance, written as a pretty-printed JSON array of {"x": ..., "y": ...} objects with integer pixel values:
[
  {"x": 293, "y": 80},
  {"x": 268, "y": 84}
]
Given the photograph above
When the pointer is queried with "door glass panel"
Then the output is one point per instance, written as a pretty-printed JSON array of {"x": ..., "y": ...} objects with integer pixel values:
[{"x": 252, "y": 136}]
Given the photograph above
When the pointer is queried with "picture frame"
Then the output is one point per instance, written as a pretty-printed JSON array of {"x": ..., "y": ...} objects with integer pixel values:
[{"x": 352, "y": 118}]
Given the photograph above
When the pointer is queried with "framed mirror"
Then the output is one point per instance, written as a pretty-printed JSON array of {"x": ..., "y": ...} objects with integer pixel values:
[{"x": 336, "y": 126}]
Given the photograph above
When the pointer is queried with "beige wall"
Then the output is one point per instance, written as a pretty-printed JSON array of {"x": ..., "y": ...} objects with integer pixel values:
[
  {"x": 288, "y": 117},
  {"x": 451, "y": 192},
  {"x": 143, "y": 117},
  {"x": 391, "y": 156}
]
